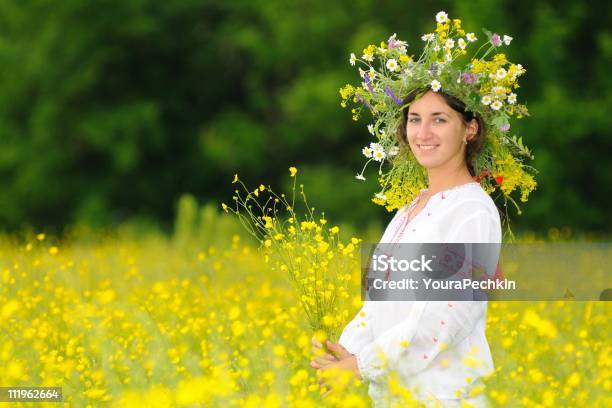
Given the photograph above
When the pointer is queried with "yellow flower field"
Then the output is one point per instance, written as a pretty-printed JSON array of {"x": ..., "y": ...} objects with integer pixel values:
[{"x": 158, "y": 322}]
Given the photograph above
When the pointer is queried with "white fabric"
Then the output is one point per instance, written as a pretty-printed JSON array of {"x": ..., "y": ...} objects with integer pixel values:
[{"x": 442, "y": 336}]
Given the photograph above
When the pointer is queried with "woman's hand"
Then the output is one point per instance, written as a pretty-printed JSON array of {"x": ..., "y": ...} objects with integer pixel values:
[
  {"x": 335, "y": 366},
  {"x": 335, "y": 352}
]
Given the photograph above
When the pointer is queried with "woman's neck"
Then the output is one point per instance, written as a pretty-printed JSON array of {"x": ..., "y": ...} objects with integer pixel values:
[{"x": 443, "y": 180}]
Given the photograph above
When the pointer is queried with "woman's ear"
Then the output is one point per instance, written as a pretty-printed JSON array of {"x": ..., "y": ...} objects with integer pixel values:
[{"x": 472, "y": 129}]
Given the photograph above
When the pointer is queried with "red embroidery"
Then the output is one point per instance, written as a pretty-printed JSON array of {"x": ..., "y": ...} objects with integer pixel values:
[
  {"x": 442, "y": 322},
  {"x": 450, "y": 305},
  {"x": 435, "y": 339},
  {"x": 424, "y": 356}
]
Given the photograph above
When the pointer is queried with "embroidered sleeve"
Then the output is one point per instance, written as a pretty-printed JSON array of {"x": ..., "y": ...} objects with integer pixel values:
[
  {"x": 357, "y": 334},
  {"x": 410, "y": 346}
]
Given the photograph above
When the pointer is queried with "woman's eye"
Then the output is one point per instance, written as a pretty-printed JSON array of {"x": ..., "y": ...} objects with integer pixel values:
[{"x": 436, "y": 120}]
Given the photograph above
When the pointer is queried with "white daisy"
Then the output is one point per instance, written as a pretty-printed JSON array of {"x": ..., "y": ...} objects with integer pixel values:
[
  {"x": 496, "y": 105},
  {"x": 436, "y": 48},
  {"x": 381, "y": 196},
  {"x": 393, "y": 151},
  {"x": 368, "y": 57},
  {"x": 507, "y": 39},
  {"x": 512, "y": 98},
  {"x": 471, "y": 37},
  {"x": 441, "y": 17},
  {"x": 371, "y": 129},
  {"x": 461, "y": 43},
  {"x": 360, "y": 177},
  {"x": 450, "y": 43},
  {"x": 428, "y": 37},
  {"x": 379, "y": 155},
  {"x": 392, "y": 65},
  {"x": 448, "y": 56},
  {"x": 501, "y": 73},
  {"x": 435, "y": 85},
  {"x": 353, "y": 58},
  {"x": 376, "y": 147},
  {"x": 486, "y": 100},
  {"x": 367, "y": 152}
]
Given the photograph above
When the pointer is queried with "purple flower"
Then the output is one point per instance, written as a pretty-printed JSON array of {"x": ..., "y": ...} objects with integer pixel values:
[
  {"x": 495, "y": 39},
  {"x": 468, "y": 78},
  {"x": 505, "y": 127},
  {"x": 389, "y": 92},
  {"x": 391, "y": 43},
  {"x": 368, "y": 83},
  {"x": 360, "y": 99}
]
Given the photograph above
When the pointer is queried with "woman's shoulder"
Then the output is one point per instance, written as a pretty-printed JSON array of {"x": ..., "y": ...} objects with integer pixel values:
[
  {"x": 473, "y": 199},
  {"x": 475, "y": 217}
]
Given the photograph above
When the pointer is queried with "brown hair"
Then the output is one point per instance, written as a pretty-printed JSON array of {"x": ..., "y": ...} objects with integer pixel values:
[{"x": 474, "y": 146}]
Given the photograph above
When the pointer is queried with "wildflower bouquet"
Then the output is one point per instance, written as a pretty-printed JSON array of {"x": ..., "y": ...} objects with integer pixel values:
[
  {"x": 318, "y": 264},
  {"x": 485, "y": 85}
]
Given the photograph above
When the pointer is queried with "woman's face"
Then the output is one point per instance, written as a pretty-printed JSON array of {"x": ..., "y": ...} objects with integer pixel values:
[{"x": 435, "y": 132}]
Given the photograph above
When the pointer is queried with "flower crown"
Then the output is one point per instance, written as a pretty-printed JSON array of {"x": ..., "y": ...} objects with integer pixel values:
[{"x": 485, "y": 86}]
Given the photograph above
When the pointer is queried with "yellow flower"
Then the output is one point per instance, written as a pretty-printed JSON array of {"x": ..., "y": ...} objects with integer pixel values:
[
  {"x": 268, "y": 222},
  {"x": 238, "y": 328},
  {"x": 235, "y": 179},
  {"x": 293, "y": 171},
  {"x": 9, "y": 308},
  {"x": 573, "y": 380}
]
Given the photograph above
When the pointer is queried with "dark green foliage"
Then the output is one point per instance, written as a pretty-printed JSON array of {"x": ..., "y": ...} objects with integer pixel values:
[{"x": 112, "y": 109}]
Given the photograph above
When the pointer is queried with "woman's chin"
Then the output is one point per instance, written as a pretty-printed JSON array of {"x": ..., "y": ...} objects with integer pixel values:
[{"x": 427, "y": 162}]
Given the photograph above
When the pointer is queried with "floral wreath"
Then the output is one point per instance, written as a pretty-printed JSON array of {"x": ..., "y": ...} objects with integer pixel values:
[{"x": 485, "y": 86}]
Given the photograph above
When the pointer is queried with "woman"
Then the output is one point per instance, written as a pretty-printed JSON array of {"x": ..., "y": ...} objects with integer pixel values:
[{"x": 427, "y": 344}]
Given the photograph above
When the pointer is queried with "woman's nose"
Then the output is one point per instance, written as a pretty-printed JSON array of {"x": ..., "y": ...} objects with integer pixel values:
[{"x": 424, "y": 128}]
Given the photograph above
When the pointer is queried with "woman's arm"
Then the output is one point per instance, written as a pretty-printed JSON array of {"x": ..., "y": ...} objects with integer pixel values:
[{"x": 410, "y": 346}]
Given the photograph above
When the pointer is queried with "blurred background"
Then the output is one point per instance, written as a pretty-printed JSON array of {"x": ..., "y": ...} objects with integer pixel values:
[{"x": 112, "y": 111}]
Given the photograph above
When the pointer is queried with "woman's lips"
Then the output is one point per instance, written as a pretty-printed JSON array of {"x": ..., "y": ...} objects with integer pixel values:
[{"x": 427, "y": 147}]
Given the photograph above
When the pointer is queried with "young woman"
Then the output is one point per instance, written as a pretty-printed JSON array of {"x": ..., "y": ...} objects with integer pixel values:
[{"x": 436, "y": 349}]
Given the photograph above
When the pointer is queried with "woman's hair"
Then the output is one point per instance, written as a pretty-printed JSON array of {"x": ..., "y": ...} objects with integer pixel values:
[{"x": 474, "y": 146}]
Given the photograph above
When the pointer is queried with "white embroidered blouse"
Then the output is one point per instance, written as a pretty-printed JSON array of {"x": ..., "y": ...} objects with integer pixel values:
[{"x": 436, "y": 348}]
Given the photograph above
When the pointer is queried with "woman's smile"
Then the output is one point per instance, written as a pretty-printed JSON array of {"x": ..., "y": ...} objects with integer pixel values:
[{"x": 427, "y": 147}]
